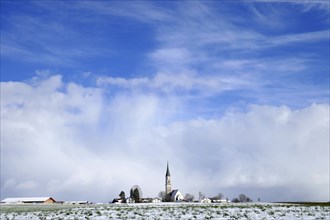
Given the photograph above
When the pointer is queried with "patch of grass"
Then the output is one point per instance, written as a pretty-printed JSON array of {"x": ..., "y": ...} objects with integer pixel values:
[{"x": 308, "y": 203}]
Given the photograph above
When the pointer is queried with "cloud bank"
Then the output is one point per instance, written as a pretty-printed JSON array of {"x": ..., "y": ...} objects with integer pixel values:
[{"x": 76, "y": 142}]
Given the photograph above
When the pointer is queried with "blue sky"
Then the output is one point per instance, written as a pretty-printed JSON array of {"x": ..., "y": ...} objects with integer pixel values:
[
  {"x": 274, "y": 48},
  {"x": 179, "y": 71}
]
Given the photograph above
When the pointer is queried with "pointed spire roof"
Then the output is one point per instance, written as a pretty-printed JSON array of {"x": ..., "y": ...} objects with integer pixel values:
[{"x": 167, "y": 171}]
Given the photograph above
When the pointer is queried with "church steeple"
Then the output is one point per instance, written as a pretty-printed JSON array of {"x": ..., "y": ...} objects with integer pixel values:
[
  {"x": 167, "y": 171},
  {"x": 168, "y": 187}
]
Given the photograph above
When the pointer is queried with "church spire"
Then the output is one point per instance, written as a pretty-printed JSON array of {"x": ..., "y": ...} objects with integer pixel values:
[
  {"x": 168, "y": 187},
  {"x": 167, "y": 171}
]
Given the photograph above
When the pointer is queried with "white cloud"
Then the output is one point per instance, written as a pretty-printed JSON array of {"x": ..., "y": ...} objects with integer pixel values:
[
  {"x": 302, "y": 37},
  {"x": 182, "y": 82},
  {"x": 171, "y": 56},
  {"x": 74, "y": 143},
  {"x": 15, "y": 42},
  {"x": 267, "y": 147},
  {"x": 143, "y": 11},
  {"x": 308, "y": 4}
]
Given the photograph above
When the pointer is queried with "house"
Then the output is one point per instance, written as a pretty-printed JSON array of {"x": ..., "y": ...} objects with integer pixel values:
[
  {"x": 146, "y": 200},
  {"x": 130, "y": 200},
  {"x": 156, "y": 200},
  {"x": 205, "y": 200},
  {"x": 117, "y": 200},
  {"x": 29, "y": 200}
]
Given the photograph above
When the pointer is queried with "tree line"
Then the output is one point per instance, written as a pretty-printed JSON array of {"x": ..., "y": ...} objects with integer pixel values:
[
  {"x": 136, "y": 194},
  {"x": 188, "y": 197}
]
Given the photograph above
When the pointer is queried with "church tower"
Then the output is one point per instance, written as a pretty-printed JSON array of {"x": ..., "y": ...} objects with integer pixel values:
[{"x": 168, "y": 187}]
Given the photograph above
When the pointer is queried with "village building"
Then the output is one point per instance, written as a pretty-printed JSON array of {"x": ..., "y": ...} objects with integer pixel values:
[
  {"x": 29, "y": 200},
  {"x": 220, "y": 201},
  {"x": 205, "y": 200},
  {"x": 156, "y": 200},
  {"x": 78, "y": 202},
  {"x": 117, "y": 201},
  {"x": 130, "y": 200},
  {"x": 175, "y": 196},
  {"x": 171, "y": 195}
]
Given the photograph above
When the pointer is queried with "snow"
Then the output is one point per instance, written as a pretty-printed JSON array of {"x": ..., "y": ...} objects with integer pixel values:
[
  {"x": 166, "y": 211},
  {"x": 24, "y": 199}
]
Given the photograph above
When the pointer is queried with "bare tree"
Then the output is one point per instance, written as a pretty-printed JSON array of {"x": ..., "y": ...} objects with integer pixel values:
[
  {"x": 242, "y": 197},
  {"x": 201, "y": 196},
  {"x": 219, "y": 196},
  {"x": 161, "y": 195},
  {"x": 189, "y": 197}
]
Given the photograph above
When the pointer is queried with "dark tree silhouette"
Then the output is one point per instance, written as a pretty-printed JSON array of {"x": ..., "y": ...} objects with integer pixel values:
[
  {"x": 242, "y": 197},
  {"x": 122, "y": 196},
  {"x": 136, "y": 195}
]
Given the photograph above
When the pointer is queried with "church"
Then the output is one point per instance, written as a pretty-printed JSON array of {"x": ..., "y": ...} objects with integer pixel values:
[{"x": 171, "y": 195}]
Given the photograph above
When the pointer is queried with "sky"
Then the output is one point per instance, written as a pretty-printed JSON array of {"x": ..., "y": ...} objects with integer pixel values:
[{"x": 97, "y": 96}]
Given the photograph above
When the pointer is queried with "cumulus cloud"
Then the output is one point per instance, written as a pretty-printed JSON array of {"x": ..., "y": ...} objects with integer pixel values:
[
  {"x": 266, "y": 147},
  {"x": 74, "y": 142}
]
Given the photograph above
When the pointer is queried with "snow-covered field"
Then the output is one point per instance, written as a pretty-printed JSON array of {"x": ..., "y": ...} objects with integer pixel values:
[{"x": 166, "y": 211}]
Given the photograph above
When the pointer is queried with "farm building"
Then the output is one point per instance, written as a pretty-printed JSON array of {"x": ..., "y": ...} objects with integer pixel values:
[{"x": 29, "y": 200}]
